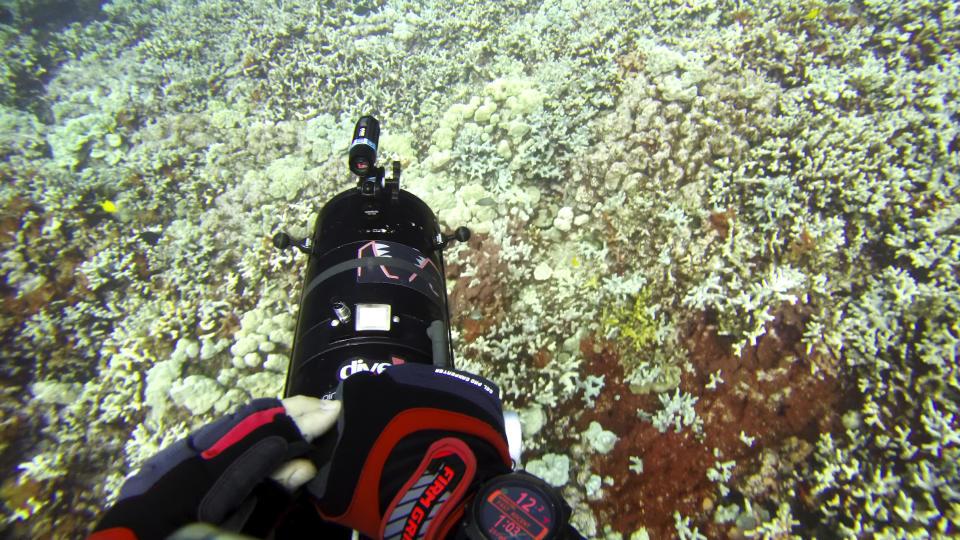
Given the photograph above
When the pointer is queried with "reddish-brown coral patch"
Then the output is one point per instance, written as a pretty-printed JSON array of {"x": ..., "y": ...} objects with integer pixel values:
[
  {"x": 476, "y": 300},
  {"x": 770, "y": 393}
]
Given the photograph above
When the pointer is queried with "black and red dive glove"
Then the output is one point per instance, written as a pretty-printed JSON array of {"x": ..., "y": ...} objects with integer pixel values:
[
  {"x": 206, "y": 476},
  {"x": 413, "y": 445}
]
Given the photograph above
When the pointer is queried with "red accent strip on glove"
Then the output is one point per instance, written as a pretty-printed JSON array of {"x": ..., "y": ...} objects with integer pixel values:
[
  {"x": 241, "y": 430},
  {"x": 113, "y": 533}
]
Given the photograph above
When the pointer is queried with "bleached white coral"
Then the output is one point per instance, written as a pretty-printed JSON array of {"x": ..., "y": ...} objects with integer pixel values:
[
  {"x": 779, "y": 526},
  {"x": 552, "y": 468},
  {"x": 196, "y": 392},
  {"x": 707, "y": 293},
  {"x": 677, "y": 412},
  {"x": 684, "y": 529},
  {"x": 600, "y": 439}
]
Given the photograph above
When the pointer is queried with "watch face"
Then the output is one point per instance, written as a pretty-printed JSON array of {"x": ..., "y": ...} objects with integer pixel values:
[{"x": 516, "y": 512}]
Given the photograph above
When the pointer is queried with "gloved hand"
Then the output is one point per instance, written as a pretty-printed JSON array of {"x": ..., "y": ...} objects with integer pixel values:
[
  {"x": 207, "y": 475},
  {"x": 413, "y": 444}
]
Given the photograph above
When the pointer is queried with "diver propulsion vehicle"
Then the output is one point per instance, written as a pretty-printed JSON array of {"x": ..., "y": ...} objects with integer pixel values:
[
  {"x": 374, "y": 296},
  {"x": 374, "y": 291}
]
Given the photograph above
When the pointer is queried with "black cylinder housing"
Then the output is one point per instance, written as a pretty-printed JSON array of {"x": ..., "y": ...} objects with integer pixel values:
[{"x": 373, "y": 292}]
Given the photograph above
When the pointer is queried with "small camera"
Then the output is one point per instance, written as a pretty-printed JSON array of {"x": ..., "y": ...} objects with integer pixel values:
[{"x": 363, "y": 147}]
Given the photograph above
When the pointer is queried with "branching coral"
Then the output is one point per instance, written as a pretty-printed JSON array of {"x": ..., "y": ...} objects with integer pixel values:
[{"x": 777, "y": 181}]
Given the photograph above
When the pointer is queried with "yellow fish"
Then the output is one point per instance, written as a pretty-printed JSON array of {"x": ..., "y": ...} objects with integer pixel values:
[
  {"x": 108, "y": 206},
  {"x": 813, "y": 14}
]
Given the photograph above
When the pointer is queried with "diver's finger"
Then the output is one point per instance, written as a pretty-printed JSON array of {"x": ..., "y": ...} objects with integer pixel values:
[
  {"x": 313, "y": 416},
  {"x": 295, "y": 473}
]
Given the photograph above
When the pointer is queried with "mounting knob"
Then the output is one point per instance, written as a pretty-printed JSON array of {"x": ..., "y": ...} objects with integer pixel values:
[
  {"x": 282, "y": 241},
  {"x": 462, "y": 234}
]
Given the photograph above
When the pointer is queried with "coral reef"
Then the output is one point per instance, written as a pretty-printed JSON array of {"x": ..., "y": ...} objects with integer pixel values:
[{"x": 714, "y": 263}]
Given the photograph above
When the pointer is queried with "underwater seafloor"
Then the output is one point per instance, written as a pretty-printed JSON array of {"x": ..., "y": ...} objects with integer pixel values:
[{"x": 714, "y": 262}]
